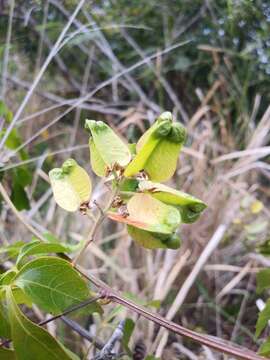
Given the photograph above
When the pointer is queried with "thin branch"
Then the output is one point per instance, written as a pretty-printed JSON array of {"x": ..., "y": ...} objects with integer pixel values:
[
  {"x": 107, "y": 351},
  {"x": 82, "y": 332}
]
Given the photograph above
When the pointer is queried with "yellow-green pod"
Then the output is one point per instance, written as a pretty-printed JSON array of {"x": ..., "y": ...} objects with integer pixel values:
[
  {"x": 71, "y": 185},
  {"x": 106, "y": 148},
  {"x": 158, "y": 149},
  {"x": 189, "y": 206},
  {"x": 150, "y": 240},
  {"x": 147, "y": 213}
]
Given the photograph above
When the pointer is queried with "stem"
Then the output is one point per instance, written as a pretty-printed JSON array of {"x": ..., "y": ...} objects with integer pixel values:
[{"x": 91, "y": 237}]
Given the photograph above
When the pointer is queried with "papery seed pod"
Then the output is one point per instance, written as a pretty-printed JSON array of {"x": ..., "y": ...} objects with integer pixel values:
[
  {"x": 158, "y": 149},
  {"x": 189, "y": 206},
  {"x": 151, "y": 240},
  {"x": 106, "y": 148},
  {"x": 147, "y": 213},
  {"x": 71, "y": 185}
]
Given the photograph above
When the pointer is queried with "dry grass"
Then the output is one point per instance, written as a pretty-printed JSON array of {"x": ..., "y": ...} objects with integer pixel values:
[{"x": 209, "y": 284}]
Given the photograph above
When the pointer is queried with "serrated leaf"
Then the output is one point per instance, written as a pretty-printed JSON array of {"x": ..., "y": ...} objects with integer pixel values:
[
  {"x": 38, "y": 247},
  {"x": 52, "y": 283},
  {"x": 30, "y": 341},
  {"x": 7, "y": 354},
  {"x": 158, "y": 149},
  {"x": 71, "y": 185},
  {"x": 106, "y": 148},
  {"x": 263, "y": 318},
  {"x": 149, "y": 214},
  {"x": 263, "y": 280}
]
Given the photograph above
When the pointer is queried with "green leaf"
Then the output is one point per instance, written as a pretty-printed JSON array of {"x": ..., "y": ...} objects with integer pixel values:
[
  {"x": 149, "y": 214},
  {"x": 264, "y": 349},
  {"x": 30, "y": 341},
  {"x": 264, "y": 317},
  {"x": 158, "y": 149},
  {"x": 7, "y": 354},
  {"x": 71, "y": 185},
  {"x": 52, "y": 283},
  {"x": 7, "y": 277},
  {"x": 13, "y": 249},
  {"x": 127, "y": 332},
  {"x": 106, "y": 148},
  {"x": 4, "y": 322},
  {"x": 19, "y": 197},
  {"x": 263, "y": 280},
  {"x": 38, "y": 247}
]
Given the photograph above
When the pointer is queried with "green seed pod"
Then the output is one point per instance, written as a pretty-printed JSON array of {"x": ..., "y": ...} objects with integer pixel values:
[
  {"x": 71, "y": 185},
  {"x": 147, "y": 213},
  {"x": 189, "y": 206},
  {"x": 158, "y": 150},
  {"x": 106, "y": 148}
]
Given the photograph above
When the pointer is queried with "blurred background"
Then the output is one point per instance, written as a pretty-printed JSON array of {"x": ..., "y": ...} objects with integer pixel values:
[{"x": 124, "y": 62}]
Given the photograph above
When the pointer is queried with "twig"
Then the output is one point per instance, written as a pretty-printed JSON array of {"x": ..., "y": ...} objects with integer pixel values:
[
  {"x": 82, "y": 332},
  {"x": 107, "y": 352},
  {"x": 100, "y": 218}
]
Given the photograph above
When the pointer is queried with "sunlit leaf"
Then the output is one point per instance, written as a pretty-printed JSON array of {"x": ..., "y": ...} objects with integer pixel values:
[
  {"x": 149, "y": 214},
  {"x": 52, "y": 283},
  {"x": 158, "y": 149},
  {"x": 71, "y": 185},
  {"x": 106, "y": 148},
  {"x": 30, "y": 341}
]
